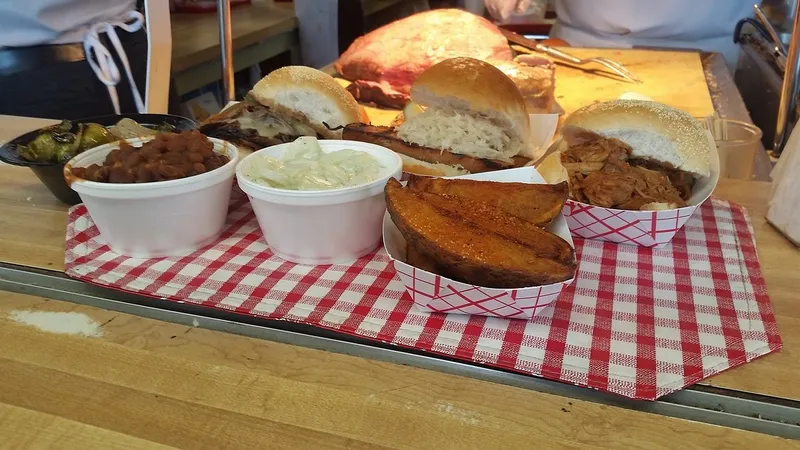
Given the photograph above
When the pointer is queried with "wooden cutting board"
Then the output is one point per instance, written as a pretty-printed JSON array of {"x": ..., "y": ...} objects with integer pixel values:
[{"x": 672, "y": 77}]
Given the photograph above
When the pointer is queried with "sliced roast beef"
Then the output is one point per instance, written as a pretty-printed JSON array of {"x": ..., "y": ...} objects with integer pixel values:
[{"x": 394, "y": 55}]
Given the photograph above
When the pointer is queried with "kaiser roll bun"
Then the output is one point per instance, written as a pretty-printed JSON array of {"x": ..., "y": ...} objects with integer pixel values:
[
  {"x": 308, "y": 93},
  {"x": 471, "y": 84}
]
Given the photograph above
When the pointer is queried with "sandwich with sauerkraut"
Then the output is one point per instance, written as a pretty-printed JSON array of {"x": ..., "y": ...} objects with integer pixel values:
[{"x": 465, "y": 116}]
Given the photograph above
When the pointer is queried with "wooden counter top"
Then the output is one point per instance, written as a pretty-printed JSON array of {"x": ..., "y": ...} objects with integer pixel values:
[
  {"x": 152, "y": 384},
  {"x": 33, "y": 225},
  {"x": 33, "y": 222},
  {"x": 195, "y": 37},
  {"x": 672, "y": 77}
]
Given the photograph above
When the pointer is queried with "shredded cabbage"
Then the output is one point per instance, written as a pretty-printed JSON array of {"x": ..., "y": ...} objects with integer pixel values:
[
  {"x": 305, "y": 167},
  {"x": 471, "y": 134}
]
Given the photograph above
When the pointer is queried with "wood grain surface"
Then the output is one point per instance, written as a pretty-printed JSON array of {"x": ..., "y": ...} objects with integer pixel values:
[
  {"x": 33, "y": 225},
  {"x": 195, "y": 37},
  {"x": 673, "y": 78},
  {"x": 151, "y": 384},
  {"x": 32, "y": 222}
]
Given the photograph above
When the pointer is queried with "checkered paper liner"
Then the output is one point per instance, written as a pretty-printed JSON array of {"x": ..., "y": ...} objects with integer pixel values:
[
  {"x": 639, "y": 322},
  {"x": 645, "y": 228},
  {"x": 434, "y": 293}
]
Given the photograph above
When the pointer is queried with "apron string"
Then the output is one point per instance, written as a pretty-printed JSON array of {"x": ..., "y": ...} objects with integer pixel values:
[{"x": 101, "y": 59}]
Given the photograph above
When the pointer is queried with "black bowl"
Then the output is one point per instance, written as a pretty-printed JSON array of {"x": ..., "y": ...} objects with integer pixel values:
[{"x": 52, "y": 174}]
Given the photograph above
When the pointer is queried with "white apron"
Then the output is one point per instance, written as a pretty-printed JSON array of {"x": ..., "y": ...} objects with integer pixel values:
[{"x": 695, "y": 24}]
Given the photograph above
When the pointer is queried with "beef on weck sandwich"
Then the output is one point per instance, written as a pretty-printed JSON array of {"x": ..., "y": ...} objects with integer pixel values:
[
  {"x": 630, "y": 154},
  {"x": 472, "y": 119},
  {"x": 288, "y": 103}
]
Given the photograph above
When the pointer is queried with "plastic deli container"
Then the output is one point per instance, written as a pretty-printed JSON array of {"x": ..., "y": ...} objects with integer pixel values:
[
  {"x": 435, "y": 293},
  {"x": 335, "y": 226},
  {"x": 643, "y": 228},
  {"x": 158, "y": 219}
]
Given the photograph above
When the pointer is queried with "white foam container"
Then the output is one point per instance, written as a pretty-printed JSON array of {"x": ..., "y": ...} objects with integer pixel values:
[
  {"x": 335, "y": 226},
  {"x": 435, "y": 293},
  {"x": 161, "y": 218}
]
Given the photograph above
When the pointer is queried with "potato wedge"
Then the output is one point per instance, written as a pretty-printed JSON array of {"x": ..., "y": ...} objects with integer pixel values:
[
  {"x": 536, "y": 203},
  {"x": 486, "y": 247}
]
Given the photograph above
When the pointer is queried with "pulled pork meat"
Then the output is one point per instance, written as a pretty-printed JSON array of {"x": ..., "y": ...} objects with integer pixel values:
[
  {"x": 683, "y": 181},
  {"x": 603, "y": 173}
]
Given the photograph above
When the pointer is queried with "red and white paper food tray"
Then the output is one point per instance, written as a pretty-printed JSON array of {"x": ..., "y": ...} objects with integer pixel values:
[
  {"x": 435, "y": 293},
  {"x": 644, "y": 228},
  {"x": 639, "y": 322}
]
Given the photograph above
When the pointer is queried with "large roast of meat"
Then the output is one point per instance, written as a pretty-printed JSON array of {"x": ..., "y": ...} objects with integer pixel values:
[{"x": 383, "y": 64}]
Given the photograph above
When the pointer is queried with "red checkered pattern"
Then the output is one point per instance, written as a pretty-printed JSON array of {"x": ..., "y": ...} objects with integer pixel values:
[
  {"x": 639, "y": 322},
  {"x": 645, "y": 228},
  {"x": 437, "y": 294}
]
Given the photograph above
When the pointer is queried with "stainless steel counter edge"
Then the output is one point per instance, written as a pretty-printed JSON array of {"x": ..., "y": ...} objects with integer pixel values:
[{"x": 746, "y": 411}]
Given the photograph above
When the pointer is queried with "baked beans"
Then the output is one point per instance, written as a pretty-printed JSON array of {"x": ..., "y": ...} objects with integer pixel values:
[{"x": 168, "y": 156}]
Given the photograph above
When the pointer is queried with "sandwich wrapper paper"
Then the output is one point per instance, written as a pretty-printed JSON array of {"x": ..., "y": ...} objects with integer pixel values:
[
  {"x": 543, "y": 129},
  {"x": 435, "y": 293},
  {"x": 643, "y": 228}
]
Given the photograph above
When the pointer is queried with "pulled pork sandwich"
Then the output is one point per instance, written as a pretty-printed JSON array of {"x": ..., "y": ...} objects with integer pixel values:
[
  {"x": 288, "y": 103},
  {"x": 630, "y": 154},
  {"x": 471, "y": 118}
]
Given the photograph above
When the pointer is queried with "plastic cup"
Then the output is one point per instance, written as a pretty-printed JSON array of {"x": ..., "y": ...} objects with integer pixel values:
[{"x": 737, "y": 143}]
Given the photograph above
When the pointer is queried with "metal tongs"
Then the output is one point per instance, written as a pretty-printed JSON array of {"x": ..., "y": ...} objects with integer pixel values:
[
  {"x": 526, "y": 45},
  {"x": 765, "y": 38},
  {"x": 779, "y": 48}
]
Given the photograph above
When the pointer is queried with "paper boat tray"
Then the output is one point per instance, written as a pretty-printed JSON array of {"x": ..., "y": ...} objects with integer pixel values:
[
  {"x": 435, "y": 293},
  {"x": 644, "y": 228}
]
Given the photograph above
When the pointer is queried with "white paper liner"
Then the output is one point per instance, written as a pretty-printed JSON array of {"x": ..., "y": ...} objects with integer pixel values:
[
  {"x": 543, "y": 129},
  {"x": 434, "y": 293}
]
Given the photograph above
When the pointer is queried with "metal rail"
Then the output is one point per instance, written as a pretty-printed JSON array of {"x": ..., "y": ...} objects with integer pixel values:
[
  {"x": 788, "y": 103},
  {"x": 734, "y": 409},
  {"x": 226, "y": 49}
]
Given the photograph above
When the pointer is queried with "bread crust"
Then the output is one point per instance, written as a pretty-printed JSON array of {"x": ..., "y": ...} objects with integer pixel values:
[
  {"x": 537, "y": 84},
  {"x": 313, "y": 81}
]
